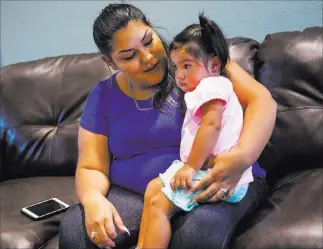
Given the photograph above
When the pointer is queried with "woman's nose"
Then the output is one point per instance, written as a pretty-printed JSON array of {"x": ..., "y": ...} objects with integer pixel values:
[{"x": 147, "y": 56}]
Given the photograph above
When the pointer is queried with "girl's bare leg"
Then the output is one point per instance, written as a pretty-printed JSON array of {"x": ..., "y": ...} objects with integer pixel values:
[
  {"x": 153, "y": 188},
  {"x": 158, "y": 232}
]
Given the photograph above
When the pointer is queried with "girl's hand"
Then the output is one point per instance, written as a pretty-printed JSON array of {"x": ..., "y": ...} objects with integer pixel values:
[
  {"x": 183, "y": 178},
  {"x": 101, "y": 217},
  {"x": 225, "y": 173}
]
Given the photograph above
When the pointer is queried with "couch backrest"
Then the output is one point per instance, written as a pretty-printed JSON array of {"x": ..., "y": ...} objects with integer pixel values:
[
  {"x": 244, "y": 51},
  {"x": 41, "y": 103},
  {"x": 290, "y": 65}
]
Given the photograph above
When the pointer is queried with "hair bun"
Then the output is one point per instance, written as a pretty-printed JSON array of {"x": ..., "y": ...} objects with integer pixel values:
[
  {"x": 204, "y": 22},
  {"x": 206, "y": 31}
]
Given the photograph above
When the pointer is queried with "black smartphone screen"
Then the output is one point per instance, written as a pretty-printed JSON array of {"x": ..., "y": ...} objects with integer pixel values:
[{"x": 45, "y": 207}]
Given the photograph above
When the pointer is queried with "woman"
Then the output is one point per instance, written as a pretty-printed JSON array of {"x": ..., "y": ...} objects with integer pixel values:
[{"x": 130, "y": 132}]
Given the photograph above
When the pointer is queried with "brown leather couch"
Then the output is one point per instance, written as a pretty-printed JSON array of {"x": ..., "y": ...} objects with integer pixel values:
[{"x": 41, "y": 103}]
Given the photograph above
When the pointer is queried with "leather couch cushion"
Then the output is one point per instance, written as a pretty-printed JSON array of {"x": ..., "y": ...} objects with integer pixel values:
[
  {"x": 291, "y": 218},
  {"x": 244, "y": 51},
  {"x": 18, "y": 230},
  {"x": 41, "y": 103},
  {"x": 290, "y": 66}
]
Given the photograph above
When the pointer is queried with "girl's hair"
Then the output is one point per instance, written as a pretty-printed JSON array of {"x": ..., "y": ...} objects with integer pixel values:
[
  {"x": 203, "y": 41},
  {"x": 117, "y": 16}
]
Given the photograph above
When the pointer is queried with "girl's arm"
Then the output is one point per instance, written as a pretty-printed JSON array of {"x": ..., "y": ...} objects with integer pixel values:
[
  {"x": 207, "y": 133},
  {"x": 204, "y": 142}
]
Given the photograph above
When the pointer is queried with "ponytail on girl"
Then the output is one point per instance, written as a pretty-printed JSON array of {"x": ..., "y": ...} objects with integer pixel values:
[
  {"x": 203, "y": 41},
  {"x": 214, "y": 41}
]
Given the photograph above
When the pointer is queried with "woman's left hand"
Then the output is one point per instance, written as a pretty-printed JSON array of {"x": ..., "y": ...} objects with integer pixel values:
[{"x": 225, "y": 172}]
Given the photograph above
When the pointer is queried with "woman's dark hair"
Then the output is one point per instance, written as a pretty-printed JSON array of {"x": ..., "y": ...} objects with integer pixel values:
[
  {"x": 117, "y": 16},
  {"x": 203, "y": 41}
]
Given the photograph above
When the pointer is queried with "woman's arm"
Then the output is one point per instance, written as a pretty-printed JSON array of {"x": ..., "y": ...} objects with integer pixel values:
[
  {"x": 259, "y": 121},
  {"x": 92, "y": 185},
  {"x": 259, "y": 116},
  {"x": 93, "y": 165}
]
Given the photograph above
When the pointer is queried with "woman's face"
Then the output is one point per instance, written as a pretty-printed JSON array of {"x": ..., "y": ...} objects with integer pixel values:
[{"x": 138, "y": 52}]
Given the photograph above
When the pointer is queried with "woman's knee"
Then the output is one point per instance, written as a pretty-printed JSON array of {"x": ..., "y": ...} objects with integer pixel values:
[
  {"x": 72, "y": 230},
  {"x": 203, "y": 227},
  {"x": 72, "y": 217}
]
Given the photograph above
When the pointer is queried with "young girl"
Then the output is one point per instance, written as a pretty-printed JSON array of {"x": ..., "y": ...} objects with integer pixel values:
[{"x": 212, "y": 125}]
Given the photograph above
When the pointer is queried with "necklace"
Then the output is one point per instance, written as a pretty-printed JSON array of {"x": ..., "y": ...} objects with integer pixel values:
[{"x": 136, "y": 103}]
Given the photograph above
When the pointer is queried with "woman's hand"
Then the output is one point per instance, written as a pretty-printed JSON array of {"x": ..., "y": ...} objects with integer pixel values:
[
  {"x": 101, "y": 217},
  {"x": 225, "y": 172},
  {"x": 183, "y": 178}
]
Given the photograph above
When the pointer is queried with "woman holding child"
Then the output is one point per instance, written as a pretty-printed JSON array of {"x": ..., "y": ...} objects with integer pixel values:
[{"x": 130, "y": 132}]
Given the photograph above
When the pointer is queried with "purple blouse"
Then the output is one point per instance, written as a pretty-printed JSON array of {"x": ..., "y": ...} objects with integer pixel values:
[{"x": 142, "y": 143}]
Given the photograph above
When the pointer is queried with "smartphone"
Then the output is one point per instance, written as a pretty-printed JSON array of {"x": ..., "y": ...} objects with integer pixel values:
[{"x": 45, "y": 208}]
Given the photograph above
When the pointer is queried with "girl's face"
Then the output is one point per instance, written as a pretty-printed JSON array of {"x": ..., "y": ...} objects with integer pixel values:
[
  {"x": 190, "y": 71},
  {"x": 138, "y": 52}
]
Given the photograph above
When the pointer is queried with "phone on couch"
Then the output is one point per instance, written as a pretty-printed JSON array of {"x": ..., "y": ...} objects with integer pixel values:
[{"x": 45, "y": 208}]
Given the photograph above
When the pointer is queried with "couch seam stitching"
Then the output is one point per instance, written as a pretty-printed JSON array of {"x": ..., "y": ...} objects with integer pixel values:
[
  {"x": 56, "y": 110},
  {"x": 298, "y": 108},
  {"x": 16, "y": 127}
]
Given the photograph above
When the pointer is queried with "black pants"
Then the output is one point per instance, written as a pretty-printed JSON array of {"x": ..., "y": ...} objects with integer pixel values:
[{"x": 207, "y": 226}]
